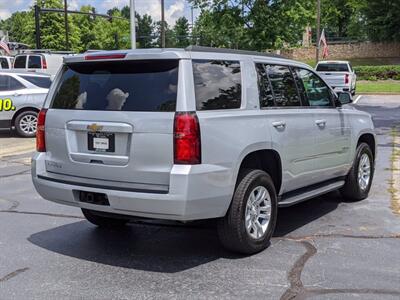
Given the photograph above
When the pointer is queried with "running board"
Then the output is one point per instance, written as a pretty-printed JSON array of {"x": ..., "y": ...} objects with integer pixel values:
[{"x": 304, "y": 194}]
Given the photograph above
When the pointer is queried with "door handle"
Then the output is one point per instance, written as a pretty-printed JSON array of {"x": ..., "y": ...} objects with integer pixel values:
[
  {"x": 320, "y": 123},
  {"x": 279, "y": 124},
  {"x": 16, "y": 94}
]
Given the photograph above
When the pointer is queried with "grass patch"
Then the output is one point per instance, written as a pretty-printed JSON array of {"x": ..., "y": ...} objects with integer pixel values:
[{"x": 384, "y": 86}]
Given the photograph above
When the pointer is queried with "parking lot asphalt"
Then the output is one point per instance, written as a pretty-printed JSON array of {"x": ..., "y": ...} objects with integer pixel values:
[{"x": 324, "y": 248}]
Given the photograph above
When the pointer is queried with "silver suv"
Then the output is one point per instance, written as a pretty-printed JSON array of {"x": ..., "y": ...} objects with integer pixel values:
[{"x": 198, "y": 134}]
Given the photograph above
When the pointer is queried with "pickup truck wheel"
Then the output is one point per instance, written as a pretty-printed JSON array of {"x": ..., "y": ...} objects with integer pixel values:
[
  {"x": 250, "y": 221},
  {"x": 102, "y": 221},
  {"x": 25, "y": 123},
  {"x": 359, "y": 180}
]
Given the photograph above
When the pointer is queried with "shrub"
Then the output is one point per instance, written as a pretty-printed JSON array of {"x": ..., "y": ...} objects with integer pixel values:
[{"x": 378, "y": 72}]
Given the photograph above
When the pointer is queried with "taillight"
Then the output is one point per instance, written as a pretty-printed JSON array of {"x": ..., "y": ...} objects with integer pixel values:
[
  {"x": 40, "y": 139},
  {"x": 187, "y": 144},
  {"x": 44, "y": 63},
  {"x": 346, "y": 78}
]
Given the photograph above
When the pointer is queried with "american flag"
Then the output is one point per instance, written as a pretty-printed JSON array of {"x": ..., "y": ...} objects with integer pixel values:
[
  {"x": 325, "y": 51},
  {"x": 4, "y": 46}
]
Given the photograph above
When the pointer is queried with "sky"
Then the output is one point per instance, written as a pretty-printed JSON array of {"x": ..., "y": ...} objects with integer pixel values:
[{"x": 173, "y": 8}]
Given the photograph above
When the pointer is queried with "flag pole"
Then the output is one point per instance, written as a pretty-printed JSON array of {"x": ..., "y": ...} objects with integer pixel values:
[
  {"x": 133, "y": 27},
  {"x": 318, "y": 30}
]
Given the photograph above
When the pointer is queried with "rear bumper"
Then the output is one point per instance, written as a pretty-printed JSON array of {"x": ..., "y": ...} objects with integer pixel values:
[
  {"x": 195, "y": 192},
  {"x": 342, "y": 88}
]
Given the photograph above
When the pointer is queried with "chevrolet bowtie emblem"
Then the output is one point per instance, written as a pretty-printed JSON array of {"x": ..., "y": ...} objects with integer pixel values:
[{"x": 94, "y": 127}]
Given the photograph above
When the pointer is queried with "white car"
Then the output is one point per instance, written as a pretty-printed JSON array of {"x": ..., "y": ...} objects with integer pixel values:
[
  {"x": 338, "y": 74},
  {"x": 40, "y": 61},
  {"x": 21, "y": 96},
  {"x": 6, "y": 62}
]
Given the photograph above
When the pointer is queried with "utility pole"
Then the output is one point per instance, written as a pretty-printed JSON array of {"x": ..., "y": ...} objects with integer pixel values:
[
  {"x": 37, "y": 26},
  {"x": 133, "y": 26},
  {"x": 162, "y": 25},
  {"x": 318, "y": 30},
  {"x": 66, "y": 24}
]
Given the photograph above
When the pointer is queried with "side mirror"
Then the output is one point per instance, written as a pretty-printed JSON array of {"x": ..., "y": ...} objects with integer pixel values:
[{"x": 344, "y": 97}]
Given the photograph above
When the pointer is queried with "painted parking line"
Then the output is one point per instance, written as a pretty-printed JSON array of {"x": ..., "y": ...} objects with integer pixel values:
[{"x": 357, "y": 99}]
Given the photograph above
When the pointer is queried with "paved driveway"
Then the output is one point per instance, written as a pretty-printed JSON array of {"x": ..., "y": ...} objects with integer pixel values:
[{"x": 323, "y": 249}]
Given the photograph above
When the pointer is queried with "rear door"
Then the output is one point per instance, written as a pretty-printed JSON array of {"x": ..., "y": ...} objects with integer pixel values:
[
  {"x": 35, "y": 62},
  {"x": 113, "y": 121},
  {"x": 290, "y": 124},
  {"x": 331, "y": 127}
]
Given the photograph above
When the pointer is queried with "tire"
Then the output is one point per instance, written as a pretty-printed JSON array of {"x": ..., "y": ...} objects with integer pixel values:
[
  {"x": 232, "y": 230},
  {"x": 102, "y": 221},
  {"x": 25, "y": 123},
  {"x": 354, "y": 188}
]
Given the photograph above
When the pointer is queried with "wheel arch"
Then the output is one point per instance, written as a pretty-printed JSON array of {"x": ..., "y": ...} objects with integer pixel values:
[
  {"x": 267, "y": 160},
  {"x": 21, "y": 110},
  {"x": 369, "y": 139}
]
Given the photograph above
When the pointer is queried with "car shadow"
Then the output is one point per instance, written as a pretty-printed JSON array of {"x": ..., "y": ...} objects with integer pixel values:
[{"x": 167, "y": 247}]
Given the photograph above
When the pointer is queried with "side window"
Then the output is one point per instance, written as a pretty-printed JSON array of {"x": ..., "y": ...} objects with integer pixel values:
[
  {"x": 34, "y": 62},
  {"x": 316, "y": 91},
  {"x": 4, "y": 63},
  {"x": 217, "y": 84},
  {"x": 283, "y": 86},
  {"x": 264, "y": 87},
  {"x": 8, "y": 83},
  {"x": 20, "y": 62}
]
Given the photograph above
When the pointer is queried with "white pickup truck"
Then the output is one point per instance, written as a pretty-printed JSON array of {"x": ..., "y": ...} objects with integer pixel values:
[{"x": 338, "y": 74}]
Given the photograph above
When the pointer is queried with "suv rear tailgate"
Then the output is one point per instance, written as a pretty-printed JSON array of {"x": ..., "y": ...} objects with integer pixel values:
[{"x": 113, "y": 121}]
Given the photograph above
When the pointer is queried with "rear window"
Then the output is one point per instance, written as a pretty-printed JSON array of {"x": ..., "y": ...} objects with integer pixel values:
[
  {"x": 34, "y": 62},
  {"x": 217, "y": 84},
  {"x": 4, "y": 63},
  {"x": 119, "y": 86},
  {"x": 20, "y": 62},
  {"x": 332, "y": 68},
  {"x": 43, "y": 82}
]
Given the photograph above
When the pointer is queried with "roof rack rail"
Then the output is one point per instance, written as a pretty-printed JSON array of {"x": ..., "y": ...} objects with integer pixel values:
[
  {"x": 233, "y": 51},
  {"x": 45, "y": 51}
]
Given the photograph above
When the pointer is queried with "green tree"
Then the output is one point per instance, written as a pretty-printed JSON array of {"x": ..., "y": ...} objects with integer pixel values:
[
  {"x": 181, "y": 33},
  {"x": 86, "y": 24},
  {"x": 382, "y": 20},
  {"x": 20, "y": 27},
  {"x": 145, "y": 28},
  {"x": 168, "y": 35}
]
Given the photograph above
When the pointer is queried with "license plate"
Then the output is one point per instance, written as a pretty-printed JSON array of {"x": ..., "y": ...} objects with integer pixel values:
[{"x": 101, "y": 141}]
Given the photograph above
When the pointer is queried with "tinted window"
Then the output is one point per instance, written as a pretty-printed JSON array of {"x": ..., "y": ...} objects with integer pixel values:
[
  {"x": 332, "y": 68},
  {"x": 264, "y": 87},
  {"x": 4, "y": 63},
  {"x": 316, "y": 91},
  {"x": 20, "y": 62},
  {"x": 283, "y": 86},
  {"x": 34, "y": 62},
  {"x": 8, "y": 83},
  {"x": 217, "y": 84},
  {"x": 124, "y": 85},
  {"x": 43, "y": 82}
]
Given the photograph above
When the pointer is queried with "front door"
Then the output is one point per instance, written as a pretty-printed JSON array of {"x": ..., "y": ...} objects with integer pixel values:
[{"x": 331, "y": 127}]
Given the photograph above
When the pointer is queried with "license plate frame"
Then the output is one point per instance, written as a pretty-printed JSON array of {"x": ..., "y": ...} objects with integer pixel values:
[{"x": 106, "y": 141}]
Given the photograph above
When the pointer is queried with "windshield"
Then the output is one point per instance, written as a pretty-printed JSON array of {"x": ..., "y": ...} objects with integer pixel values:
[{"x": 124, "y": 85}]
